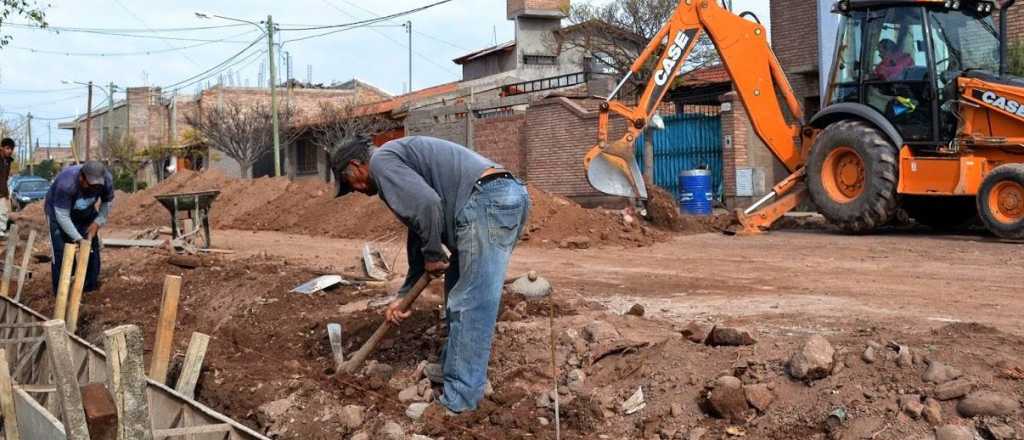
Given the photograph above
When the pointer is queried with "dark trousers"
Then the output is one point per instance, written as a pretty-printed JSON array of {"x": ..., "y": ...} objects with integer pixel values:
[{"x": 82, "y": 220}]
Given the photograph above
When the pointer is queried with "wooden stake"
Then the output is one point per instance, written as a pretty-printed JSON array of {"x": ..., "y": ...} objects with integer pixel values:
[
  {"x": 68, "y": 393},
  {"x": 12, "y": 246},
  {"x": 193, "y": 365},
  {"x": 26, "y": 256},
  {"x": 60, "y": 309},
  {"x": 75, "y": 300},
  {"x": 11, "y": 431},
  {"x": 165, "y": 329},
  {"x": 127, "y": 382}
]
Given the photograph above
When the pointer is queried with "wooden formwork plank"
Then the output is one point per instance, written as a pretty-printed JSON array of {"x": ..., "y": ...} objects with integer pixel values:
[
  {"x": 11, "y": 431},
  {"x": 68, "y": 392},
  {"x": 12, "y": 246},
  {"x": 193, "y": 365},
  {"x": 75, "y": 300},
  {"x": 34, "y": 421},
  {"x": 191, "y": 430},
  {"x": 162, "y": 345},
  {"x": 25, "y": 260},
  {"x": 127, "y": 382},
  {"x": 67, "y": 264}
]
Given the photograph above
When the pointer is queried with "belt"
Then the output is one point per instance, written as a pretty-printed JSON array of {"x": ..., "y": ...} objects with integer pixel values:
[{"x": 494, "y": 176}]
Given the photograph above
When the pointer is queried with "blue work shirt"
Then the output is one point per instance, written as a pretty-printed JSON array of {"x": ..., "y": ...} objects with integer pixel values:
[{"x": 66, "y": 192}]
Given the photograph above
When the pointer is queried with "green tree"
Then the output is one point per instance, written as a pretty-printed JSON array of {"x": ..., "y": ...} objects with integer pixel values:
[
  {"x": 46, "y": 169},
  {"x": 29, "y": 10}
]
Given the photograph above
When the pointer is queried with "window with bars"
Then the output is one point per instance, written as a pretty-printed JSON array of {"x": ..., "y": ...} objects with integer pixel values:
[
  {"x": 305, "y": 159},
  {"x": 540, "y": 60}
]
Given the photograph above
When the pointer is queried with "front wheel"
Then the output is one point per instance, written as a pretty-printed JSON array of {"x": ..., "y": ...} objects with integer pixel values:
[
  {"x": 852, "y": 176},
  {"x": 1001, "y": 201}
]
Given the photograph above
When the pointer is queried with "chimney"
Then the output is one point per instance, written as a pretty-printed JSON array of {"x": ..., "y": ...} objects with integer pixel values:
[{"x": 538, "y": 8}]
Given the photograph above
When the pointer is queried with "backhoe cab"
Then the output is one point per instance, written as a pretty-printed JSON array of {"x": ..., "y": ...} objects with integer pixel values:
[{"x": 919, "y": 115}]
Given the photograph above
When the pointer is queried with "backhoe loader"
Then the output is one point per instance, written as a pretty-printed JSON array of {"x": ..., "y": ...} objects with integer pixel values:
[{"x": 919, "y": 115}]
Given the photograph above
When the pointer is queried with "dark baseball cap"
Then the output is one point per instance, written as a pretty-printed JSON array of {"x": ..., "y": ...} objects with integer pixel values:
[
  {"x": 357, "y": 148},
  {"x": 95, "y": 173}
]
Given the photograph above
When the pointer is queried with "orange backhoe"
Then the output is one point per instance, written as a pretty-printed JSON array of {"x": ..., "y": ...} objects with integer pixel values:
[{"x": 919, "y": 115}]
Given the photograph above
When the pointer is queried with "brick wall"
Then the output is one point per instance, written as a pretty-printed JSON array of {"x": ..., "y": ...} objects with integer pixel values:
[
  {"x": 559, "y": 132},
  {"x": 448, "y": 123},
  {"x": 794, "y": 26},
  {"x": 503, "y": 140},
  {"x": 741, "y": 148}
]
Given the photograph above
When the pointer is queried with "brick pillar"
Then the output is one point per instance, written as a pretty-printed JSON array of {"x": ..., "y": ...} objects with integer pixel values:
[{"x": 735, "y": 143}]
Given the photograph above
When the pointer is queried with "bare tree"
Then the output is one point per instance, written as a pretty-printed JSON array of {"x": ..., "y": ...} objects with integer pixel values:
[
  {"x": 615, "y": 33},
  {"x": 343, "y": 120},
  {"x": 243, "y": 132}
]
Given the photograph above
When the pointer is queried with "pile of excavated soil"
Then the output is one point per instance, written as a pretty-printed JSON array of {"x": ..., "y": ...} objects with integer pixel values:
[
  {"x": 269, "y": 364},
  {"x": 308, "y": 207},
  {"x": 663, "y": 210}
]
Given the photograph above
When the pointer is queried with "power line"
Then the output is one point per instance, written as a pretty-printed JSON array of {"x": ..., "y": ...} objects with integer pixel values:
[
  {"x": 220, "y": 65},
  {"x": 125, "y": 54},
  {"x": 117, "y": 34},
  {"x": 40, "y": 104},
  {"x": 146, "y": 25},
  {"x": 30, "y": 91},
  {"x": 147, "y": 30},
  {"x": 424, "y": 34},
  {"x": 373, "y": 20}
]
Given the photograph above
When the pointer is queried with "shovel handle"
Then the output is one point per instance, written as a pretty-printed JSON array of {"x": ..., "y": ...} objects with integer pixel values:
[{"x": 357, "y": 359}]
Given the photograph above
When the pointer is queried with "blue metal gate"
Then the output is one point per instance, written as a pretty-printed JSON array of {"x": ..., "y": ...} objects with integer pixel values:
[{"x": 690, "y": 140}]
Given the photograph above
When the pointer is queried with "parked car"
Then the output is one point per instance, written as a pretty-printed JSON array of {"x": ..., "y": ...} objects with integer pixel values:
[{"x": 27, "y": 190}]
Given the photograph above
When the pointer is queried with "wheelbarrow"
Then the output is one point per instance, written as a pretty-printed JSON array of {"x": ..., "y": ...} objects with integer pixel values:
[{"x": 190, "y": 216}]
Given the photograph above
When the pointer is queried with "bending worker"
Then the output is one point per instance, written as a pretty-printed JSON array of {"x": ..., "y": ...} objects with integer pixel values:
[
  {"x": 448, "y": 196},
  {"x": 73, "y": 216}
]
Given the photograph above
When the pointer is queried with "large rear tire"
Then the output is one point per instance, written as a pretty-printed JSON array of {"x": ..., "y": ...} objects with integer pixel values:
[
  {"x": 852, "y": 175},
  {"x": 1001, "y": 201}
]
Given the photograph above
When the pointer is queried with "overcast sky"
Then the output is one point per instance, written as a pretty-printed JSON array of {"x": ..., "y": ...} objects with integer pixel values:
[{"x": 30, "y": 81}]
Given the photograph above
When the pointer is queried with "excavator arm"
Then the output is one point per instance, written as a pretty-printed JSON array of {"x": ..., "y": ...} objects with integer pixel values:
[{"x": 758, "y": 78}]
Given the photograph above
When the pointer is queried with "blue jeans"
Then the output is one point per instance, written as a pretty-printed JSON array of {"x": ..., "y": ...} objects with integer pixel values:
[
  {"x": 82, "y": 220},
  {"x": 487, "y": 230}
]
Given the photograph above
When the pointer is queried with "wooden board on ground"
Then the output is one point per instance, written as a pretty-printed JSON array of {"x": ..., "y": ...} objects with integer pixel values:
[
  {"x": 127, "y": 242},
  {"x": 165, "y": 329}
]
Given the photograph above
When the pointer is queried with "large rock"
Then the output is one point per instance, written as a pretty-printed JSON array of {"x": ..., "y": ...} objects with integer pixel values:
[
  {"x": 600, "y": 331},
  {"x": 728, "y": 400},
  {"x": 270, "y": 413},
  {"x": 730, "y": 337},
  {"x": 759, "y": 396},
  {"x": 360, "y": 436},
  {"x": 696, "y": 332},
  {"x": 870, "y": 355},
  {"x": 1000, "y": 431},
  {"x": 988, "y": 403},
  {"x": 954, "y": 432},
  {"x": 352, "y": 416},
  {"x": 911, "y": 405},
  {"x": 932, "y": 411},
  {"x": 415, "y": 410},
  {"x": 378, "y": 374},
  {"x": 393, "y": 431},
  {"x": 954, "y": 389},
  {"x": 410, "y": 394},
  {"x": 813, "y": 361},
  {"x": 576, "y": 242},
  {"x": 939, "y": 373}
]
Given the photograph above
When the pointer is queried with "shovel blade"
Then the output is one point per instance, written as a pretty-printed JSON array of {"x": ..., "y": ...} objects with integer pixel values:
[{"x": 614, "y": 175}]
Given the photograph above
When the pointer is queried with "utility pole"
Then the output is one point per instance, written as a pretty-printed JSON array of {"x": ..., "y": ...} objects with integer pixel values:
[
  {"x": 273, "y": 97},
  {"x": 110, "y": 112},
  {"x": 49, "y": 139},
  {"x": 408, "y": 28},
  {"x": 88, "y": 123},
  {"x": 29, "y": 160}
]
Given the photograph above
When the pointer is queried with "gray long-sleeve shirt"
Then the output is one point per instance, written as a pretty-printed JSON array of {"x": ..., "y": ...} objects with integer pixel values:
[{"x": 426, "y": 182}]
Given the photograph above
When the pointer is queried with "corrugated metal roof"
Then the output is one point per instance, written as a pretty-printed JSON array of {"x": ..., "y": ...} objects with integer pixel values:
[{"x": 484, "y": 52}]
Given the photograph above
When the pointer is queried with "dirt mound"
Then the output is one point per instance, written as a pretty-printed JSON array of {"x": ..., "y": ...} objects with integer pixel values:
[
  {"x": 663, "y": 210},
  {"x": 308, "y": 207}
]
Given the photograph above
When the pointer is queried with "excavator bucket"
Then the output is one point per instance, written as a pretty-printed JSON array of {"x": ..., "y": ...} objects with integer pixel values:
[{"x": 614, "y": 175}]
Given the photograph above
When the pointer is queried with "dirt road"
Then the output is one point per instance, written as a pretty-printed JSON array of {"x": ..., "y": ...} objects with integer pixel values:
[{"x": 916, "y": 279}]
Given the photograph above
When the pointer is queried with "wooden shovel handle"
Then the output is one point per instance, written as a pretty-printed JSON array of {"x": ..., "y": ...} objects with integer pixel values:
[{"x": 357, "y": 359}]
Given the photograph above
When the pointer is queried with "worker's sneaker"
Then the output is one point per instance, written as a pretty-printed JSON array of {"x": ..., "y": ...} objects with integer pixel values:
[{"x": 434, "y": 372}]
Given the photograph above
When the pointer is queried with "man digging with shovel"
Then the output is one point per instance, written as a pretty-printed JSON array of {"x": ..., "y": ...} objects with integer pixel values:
[{"x": 448, "y": 196}]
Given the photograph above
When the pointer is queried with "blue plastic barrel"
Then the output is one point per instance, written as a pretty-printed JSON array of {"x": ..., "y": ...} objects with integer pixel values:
[{"x": 695, "y": 193}]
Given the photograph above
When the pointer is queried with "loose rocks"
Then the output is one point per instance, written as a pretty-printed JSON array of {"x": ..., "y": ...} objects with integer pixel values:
[
  {"x": 415, "y": 411},
  {"x": 953, "y": 432},
  {"x": 759, "y": 396},
  {"x": 987, "y": 403},
  {"x": 411, "y": 393},
  {"x": 954, "y": 389},
  {"x": 352, "y": 416},
  {"x": 577, "y": 242},
  {"x": 636, "y": 310},
  {"x": 932, "y": 411},
  {"x": 393, "y": 431},
  {"x": 696, "y": 332},
  {"x": 940, "y": 373},
  {"x": 911, "y": 405},
  {"x": 730, "y": 337},
  {"x": 728, "y": 400},
  {"x": 813, "y": 361},
  {"x": 869, "y": 356},
  {"x": 600, "y": 331}
]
